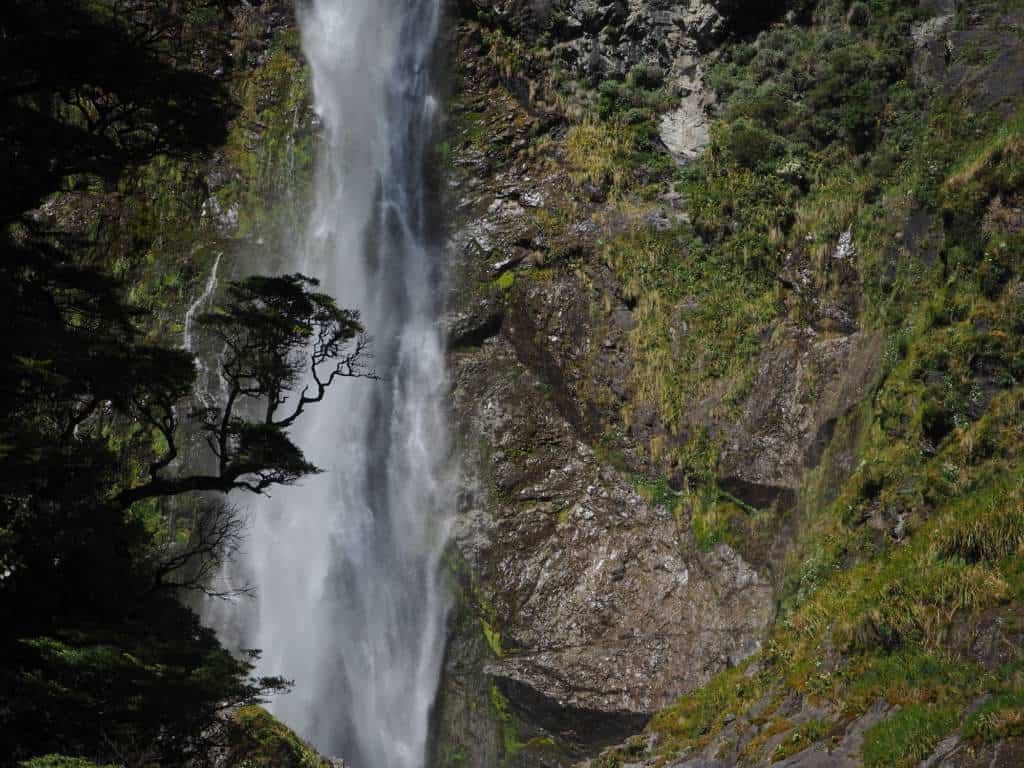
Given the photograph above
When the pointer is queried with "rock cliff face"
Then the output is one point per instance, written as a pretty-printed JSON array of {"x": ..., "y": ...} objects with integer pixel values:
[
  {"x": 649, "y": 441},
  {"x": 598, "y": 605}
]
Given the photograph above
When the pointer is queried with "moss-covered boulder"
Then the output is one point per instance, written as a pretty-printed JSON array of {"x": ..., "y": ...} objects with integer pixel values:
[{"x": 257, "y": 739}]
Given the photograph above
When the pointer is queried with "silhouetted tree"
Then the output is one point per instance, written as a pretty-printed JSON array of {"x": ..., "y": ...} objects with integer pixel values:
[
  {"x": 81, "y": 576},
  {"x": 275, "y": 332},
  {"x": 98, "y": 656},
  {"x": 92, "y": 86}
]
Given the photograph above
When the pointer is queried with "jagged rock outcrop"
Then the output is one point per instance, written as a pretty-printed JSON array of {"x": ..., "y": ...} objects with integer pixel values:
[
  {"x": 804, "y": 384},
  {"x": 598, "y": 40}
]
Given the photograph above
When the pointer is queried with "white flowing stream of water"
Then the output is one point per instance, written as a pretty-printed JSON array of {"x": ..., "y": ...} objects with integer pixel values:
[{"x": 350, "y": 600}]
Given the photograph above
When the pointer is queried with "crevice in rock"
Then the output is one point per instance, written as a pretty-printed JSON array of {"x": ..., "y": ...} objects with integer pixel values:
[
  {"x": 814, "y": 452},
  {"x": 750, "y": 19},
  {"x": 584, "y": 731},
  {"x": 759, "y": 495},
  {"x": 475, "y": 335}
]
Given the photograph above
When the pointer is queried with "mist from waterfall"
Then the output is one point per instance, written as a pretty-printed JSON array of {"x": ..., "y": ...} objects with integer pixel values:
[{"x": 350, "y": 599}]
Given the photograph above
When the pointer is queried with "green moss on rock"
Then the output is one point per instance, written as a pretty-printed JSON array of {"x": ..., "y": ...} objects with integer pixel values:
[{"x": 257, "y": 740}]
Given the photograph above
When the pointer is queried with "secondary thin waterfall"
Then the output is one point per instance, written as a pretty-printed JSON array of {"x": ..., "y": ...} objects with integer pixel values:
[{"x": 350, "y": 597}]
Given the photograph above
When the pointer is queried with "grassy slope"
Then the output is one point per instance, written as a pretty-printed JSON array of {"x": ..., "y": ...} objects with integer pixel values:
[{"x": 823, "y": 131}]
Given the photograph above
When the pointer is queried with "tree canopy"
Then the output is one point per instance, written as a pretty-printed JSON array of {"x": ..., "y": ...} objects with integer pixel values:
[
  {"x": 102, "y": 660},
  {"x": 283, "y": 345},
  {"x": 98, "y": 643}
]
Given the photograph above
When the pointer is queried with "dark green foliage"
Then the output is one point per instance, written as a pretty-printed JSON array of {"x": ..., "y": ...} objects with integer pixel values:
[
  {"x": 101, "y": 661},
  {"x": 273, "y": 331},
  {"x": 100, "y": 658},
  {"x": 749, "y": 145},
  {"x": 112, "y": 84},
  {"x": 859, "y": 14},
  {"x": 59, "y": 761},
  {"x": 152, "y": 684},
  {"x": 276, "y": 328}
]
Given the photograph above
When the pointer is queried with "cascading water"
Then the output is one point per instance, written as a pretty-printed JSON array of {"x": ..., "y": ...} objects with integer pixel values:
[
  {"x": 207, "y": 394},
  {"x": 350, "y": 600}
]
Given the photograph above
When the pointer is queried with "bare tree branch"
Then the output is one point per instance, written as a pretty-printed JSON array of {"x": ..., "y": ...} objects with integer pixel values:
[{"x": 215, "y": 533}]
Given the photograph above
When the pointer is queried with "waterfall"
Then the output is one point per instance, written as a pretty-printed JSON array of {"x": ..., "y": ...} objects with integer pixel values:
[
  {"x": 201, "y": 302},
  {"x": 205, "y": 392},
  {"x": 351, "y": 602}
]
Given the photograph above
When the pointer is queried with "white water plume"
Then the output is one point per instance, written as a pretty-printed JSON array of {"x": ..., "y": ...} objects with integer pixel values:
[{"x": 350, "y": 600}]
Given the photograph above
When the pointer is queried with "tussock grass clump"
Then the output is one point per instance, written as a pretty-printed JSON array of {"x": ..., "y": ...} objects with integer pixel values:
[
  {"x": 989, "y": 533},
  {"x": 1001, "y": 717},
  {"x": 700, "y": 320},
  {"x": 695, "y": 718},
  {"x": 614, "y": 157},
  {"x": 507, "y": 54},
  {"x": 908, "y": 737},
  {"x": 913, "y": 601},
  {"x": 802, "y": 738},
  {"x": 996, "y": 166},
  {"x": 908, "y": 676},
  {"x": 595, "y": 151}
]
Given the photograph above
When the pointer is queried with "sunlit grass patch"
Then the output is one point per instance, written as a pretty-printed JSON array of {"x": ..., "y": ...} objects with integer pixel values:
[
  {"x": 908, "y": 737},
  {"x": 1001, "y": 717}
]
